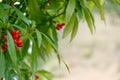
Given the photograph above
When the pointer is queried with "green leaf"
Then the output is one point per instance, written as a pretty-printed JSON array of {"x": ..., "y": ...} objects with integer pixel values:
[
  {"x": 25, "y": 48},
  {"x": 34, "y": 11},
  {"x": 46, "y": 74},
  {"x": 100, "y": 8},
  {"x": 70, "y": 10},
  {"x": 39, "y": 38},
  {"x": 3, "y": 15},
  {"x": 21, "y": 16},
  {"x": 66, "y": 66},
  {"x": 53, "y": 45},
  {"x": 2, "y": 65},
  {"x": 88, "y": 19},
  {"x": 75, "y": 29},
  {"x": 69, "y": 26},
  {"x": 34, "y": 59},
  {"x": 11, "y": 49},
  {"x": 79, "y": 9}
]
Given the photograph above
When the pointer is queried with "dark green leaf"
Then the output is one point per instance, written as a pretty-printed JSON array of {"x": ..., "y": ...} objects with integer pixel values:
[
  {"x": 25, "y": 48},
  {"x": 39, "y": 38},
  {"x": 3, "y": 15},
  {"x": 34, "y": 59},
  {"x": 11, "y": 49},
  {"x": 2, "y": 65},
  {"x": 21, "y": 16}
]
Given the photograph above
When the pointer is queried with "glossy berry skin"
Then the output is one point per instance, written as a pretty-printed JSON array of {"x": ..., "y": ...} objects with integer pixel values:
[
  {"x": 13, "y": 32},
  {"x": 16, "y": 37},
  {"x": 19, "y": 42},
  {"x": 17, "y": 31}
]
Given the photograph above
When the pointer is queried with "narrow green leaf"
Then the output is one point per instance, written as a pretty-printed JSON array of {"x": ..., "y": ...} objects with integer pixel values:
[
  {"x": 100, "y": 8},
  {"x": 66, "y": 66},
  {"x": 92, "y": 18},
  {"x": 25, "y": 48},
  {"x": 70, "y": 9},
  {"x": 39, "y": 38},
  {"x": 3, "y": 15},
  {"x": 75, "y": 28},
  {"x": 79, "y": 9},
  {"x": 69, "y": 26},
  {"x": 34, "y": 59},
  {"x": 53, "y": 45},
  {"x": 11, "y": 49},
  {"x": 34, "y": 11},
  {"x": 88, "y": 19},
  {"x": 2, "y": 65},
  {"x": 21, "y": 16},
  {"x": 46, "y": 74}
]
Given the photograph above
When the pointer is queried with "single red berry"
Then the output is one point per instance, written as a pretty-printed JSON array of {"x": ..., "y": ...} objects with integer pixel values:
[
  {"x": 19, "y": 42},
  {"x": 36, "y": 76},
  {"x": 15, "y": 41},
  {"x": 58, "y": 27},
  {"x": 63, "y": 24},
  {"x": 17, "y": 31},
  {"x": 5, "y": 45},
  {"x": 4, "y": 49},
  {"x": 4, "y": 36},
  {"x": 13, "y": 32},
  {"x": 19, "y": 45}
]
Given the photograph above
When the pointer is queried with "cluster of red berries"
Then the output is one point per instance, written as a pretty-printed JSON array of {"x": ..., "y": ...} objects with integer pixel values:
[
  {"x": 60, "y": 26},
  {"x": 16, "y": 37}
]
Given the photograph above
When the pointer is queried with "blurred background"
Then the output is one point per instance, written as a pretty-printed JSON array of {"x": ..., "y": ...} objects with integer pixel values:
[{"x": 91, "y": 56}]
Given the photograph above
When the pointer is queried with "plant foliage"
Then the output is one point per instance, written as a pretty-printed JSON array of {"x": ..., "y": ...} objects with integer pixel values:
[{"x": 37, "y": 20}]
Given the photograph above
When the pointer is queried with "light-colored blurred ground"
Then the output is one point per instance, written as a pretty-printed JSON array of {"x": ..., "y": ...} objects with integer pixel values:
[{"x": 91, "y": 57}]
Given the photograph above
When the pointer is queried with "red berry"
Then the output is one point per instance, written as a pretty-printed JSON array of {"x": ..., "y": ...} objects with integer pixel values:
[
  {"x": 17, "y": 36},
  {"x": 4, "y": 36},
  {"x": 15, "y": 41},
  {"x": 17, "y": 31},
  {"x": 19, "y": 45},
  {"x": 62, "y": 24},
  {"x": 36, "y": 76},
  {"x": 4, "y": 49},
  {"x": 19, "y": 42},
  {"x": 13, "y": 32},
  {"x": 58, "y": 28},
  {"x": 5, "y": 45}
]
